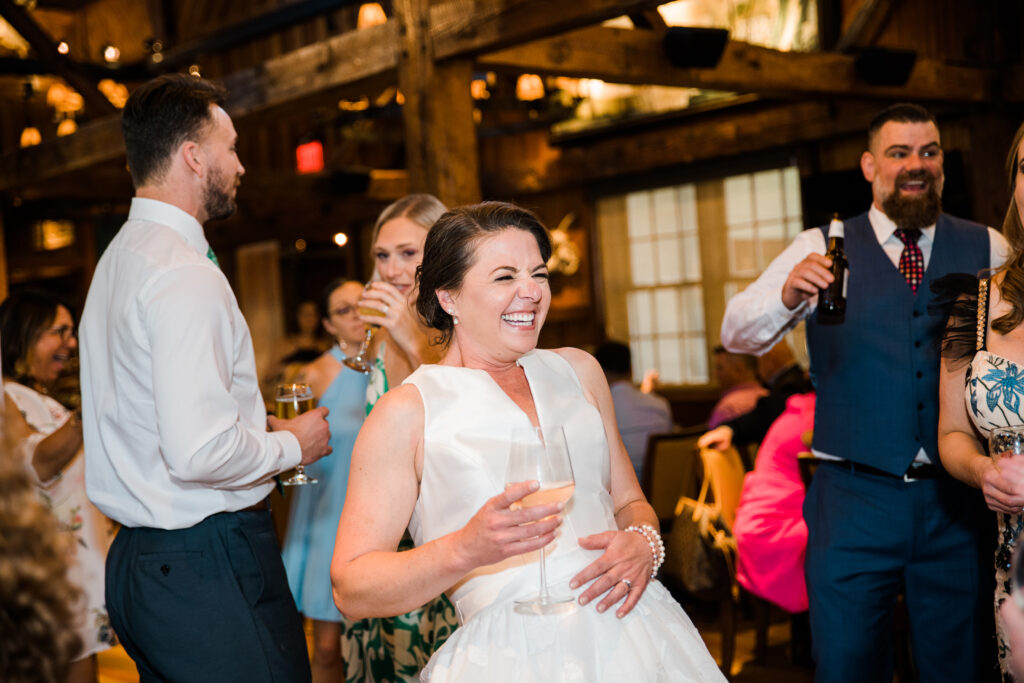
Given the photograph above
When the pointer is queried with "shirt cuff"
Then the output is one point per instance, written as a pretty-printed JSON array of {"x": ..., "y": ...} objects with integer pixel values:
[
  {"x": 782, "y": 318},
  {"x": 291, "y": 452}
]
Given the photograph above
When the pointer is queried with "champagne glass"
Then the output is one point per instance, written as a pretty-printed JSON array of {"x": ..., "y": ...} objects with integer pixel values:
[
  {"x": 1004, "y": 442},
  {"x": 544, "y": 457},
  {"x": 291, "y": 400},
  {"x": 360, "y": 362}
]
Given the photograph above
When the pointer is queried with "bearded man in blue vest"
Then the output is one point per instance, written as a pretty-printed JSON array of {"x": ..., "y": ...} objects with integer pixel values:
[{"x": 883, "y": 517}]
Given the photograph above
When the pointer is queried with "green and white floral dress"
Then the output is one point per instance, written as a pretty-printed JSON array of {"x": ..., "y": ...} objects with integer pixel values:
[{"x": 395, "y": 648}]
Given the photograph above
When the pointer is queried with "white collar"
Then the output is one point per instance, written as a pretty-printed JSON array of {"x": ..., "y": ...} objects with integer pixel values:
[
  {"x": 183, "y": 223},
  {"x": 884, "y": 226}
]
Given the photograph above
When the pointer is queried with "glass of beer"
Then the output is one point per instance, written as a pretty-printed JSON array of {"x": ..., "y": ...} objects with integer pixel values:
[
  {"x": 360, "y": 362},
  {"x": 291, "y": 401}
]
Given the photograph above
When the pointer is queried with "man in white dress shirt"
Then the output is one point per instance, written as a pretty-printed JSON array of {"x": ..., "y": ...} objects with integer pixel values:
[
  {"x": 883, "y": 517},
  {"x": 176, "y": 440}
]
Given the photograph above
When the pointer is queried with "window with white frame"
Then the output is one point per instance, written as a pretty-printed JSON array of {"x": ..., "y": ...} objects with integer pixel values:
[
  {"x": 762, "y": 215},
  {"x": 666, "y": 308},
  {"x": 659, "y": 291}
]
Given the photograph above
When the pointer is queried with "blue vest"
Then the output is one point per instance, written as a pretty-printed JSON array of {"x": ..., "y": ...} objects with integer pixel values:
[{"x": 877, "y": 373}]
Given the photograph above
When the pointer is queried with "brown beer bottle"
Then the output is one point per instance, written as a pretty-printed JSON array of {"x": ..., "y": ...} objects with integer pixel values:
[{"x": 832, "y": 299}]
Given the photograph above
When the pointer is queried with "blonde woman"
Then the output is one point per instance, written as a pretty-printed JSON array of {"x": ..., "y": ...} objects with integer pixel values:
[{"x": 397, "y": 648}]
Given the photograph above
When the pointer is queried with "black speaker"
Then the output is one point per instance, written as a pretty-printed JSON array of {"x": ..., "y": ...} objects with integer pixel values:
[
  {"x": 884, "y": 66},
  {"x": 687, "y": 46}
]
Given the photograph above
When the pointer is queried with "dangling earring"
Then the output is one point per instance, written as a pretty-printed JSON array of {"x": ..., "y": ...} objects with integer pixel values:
[
  {"x": 455, "y": 318},
  {"x": 20, "y": 368}
]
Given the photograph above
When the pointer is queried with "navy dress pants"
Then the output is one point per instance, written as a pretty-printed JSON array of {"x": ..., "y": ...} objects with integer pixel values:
[
  {"x": 872, "y": 537},
  {"x": 206, "y": 603}
]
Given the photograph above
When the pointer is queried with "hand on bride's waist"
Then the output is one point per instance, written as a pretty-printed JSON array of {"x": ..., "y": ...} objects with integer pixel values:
[{"x": 620, "y": 574}]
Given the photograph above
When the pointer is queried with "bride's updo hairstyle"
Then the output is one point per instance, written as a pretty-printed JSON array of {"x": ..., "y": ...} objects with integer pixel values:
[{"x": 450, "y": 251}]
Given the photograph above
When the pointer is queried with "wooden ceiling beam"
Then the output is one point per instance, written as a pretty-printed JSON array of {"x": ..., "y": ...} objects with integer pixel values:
[
  {"x": 868, "y": 21},
  {"x": 344, "y": 60},
  {"x": 46, "y": 49},
  {"x": 694, "y": 138},
  {"x": 458, "y": 30},
  {"x": 315, "y": 70},
  {"x": 637, "y": 57}
]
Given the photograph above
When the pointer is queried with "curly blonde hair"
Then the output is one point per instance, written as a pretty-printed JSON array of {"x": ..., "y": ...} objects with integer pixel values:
[{"x": 37, "y": 635}]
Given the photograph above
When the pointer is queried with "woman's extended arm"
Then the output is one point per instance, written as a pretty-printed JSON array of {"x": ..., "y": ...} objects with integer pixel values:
[
  {"x": 962, "y": 453},
  {"x": 370, "y": 578},
  {"x": 53, "y": 453},
  {"x": 627, "y": 555}
]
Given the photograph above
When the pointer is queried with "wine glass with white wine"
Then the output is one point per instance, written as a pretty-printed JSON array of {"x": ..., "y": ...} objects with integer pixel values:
[
  {"x": 542, "y": 456},
  {"x": 292, "y": 400},
  {"x": 360, "y": 362}
]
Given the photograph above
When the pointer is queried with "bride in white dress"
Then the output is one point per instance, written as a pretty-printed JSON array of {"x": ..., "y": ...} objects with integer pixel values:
[{"x": 432, "y": 456}]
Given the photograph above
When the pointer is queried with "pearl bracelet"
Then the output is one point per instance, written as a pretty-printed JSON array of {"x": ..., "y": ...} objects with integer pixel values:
[{"x": 653, "y": 539}]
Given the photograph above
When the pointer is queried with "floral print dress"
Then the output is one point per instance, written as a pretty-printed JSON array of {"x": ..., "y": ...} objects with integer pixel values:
[
  {"x": 65, "y": 496},
  {"x": 395, "y": 648},
  {"x": 993, "y": 393}
]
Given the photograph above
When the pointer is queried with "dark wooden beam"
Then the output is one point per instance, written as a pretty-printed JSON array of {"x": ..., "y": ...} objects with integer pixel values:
[
  {"x": 46, "y": 49},
  {"x": 527, "y": 169},
  {"x": 247, "y": 30},
  {"x": 648, "y": 19},
  {"x": 483, "y": 26},
  {"x": 440, "y": 135},
  {"x": 343, "y": 60},
  {"x": 866, "y": 24},
  {"x": 3, "y": 261},
  {"x": 95, "y": 142},
  {"x": 318, "y": 71},
  {"x": 631, "y": 56}
]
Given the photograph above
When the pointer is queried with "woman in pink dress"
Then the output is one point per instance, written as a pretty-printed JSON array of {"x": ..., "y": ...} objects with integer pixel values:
[{"x": 771, "y": 535}]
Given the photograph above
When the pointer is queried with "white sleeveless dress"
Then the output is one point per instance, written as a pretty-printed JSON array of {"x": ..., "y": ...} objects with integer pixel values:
[{"x": 468, "y": 421}]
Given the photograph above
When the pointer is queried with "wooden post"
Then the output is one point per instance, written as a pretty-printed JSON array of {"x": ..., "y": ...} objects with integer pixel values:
[
  {"x": 440, "y": 134},
  {"x": 3, "y": 261}
]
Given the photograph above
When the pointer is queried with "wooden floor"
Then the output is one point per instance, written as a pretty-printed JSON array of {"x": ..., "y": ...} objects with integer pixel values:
[{"x": 117, "y": 667}]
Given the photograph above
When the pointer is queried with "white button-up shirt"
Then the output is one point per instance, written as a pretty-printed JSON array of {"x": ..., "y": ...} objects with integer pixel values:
[{"x": 175, "y": 428}]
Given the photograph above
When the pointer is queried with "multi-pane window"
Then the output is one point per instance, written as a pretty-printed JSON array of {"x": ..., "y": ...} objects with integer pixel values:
[
  {"x": 666, "y": 311},
  {"x": 762, "y": 215},
  {"x": 674, "y": 255}
]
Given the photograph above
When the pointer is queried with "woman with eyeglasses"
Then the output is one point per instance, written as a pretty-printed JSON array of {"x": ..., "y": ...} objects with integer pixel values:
[
  {"x": 313, "y": 520},
  {"x": 38, "y": 333}
]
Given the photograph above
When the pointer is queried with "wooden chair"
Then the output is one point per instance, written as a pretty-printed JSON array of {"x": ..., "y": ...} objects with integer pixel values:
[
  {"x": 726, "y": 471},
  {"x": 669, "y": 469}
]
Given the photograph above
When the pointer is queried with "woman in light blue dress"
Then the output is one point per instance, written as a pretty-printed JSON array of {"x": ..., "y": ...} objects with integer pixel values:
[{"x": 315, "y": 510}]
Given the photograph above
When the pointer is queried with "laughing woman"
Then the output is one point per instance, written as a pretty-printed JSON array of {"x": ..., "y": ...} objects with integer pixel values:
[
  {"x": 38, "y": 333},
  {"x": 432, "y": 455}
]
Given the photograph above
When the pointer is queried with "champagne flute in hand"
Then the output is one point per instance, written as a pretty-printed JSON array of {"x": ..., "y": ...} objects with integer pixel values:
[
  {"x": 291, "y": 401},
  {"x": 543, "y": 457},
  {"x": 360, "y": 362}
]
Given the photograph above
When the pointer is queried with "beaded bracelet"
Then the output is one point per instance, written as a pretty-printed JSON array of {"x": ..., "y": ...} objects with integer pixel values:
[{"x": 653, "y": 539}]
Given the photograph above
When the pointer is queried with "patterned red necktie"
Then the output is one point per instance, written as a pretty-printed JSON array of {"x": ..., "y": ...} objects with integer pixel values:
[{"x": 911, "y": 260}]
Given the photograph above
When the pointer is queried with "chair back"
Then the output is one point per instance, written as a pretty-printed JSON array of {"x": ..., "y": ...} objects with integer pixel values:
[
  {"x": 725, "y": 471},
  {"x": 669, "y": 470}
]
